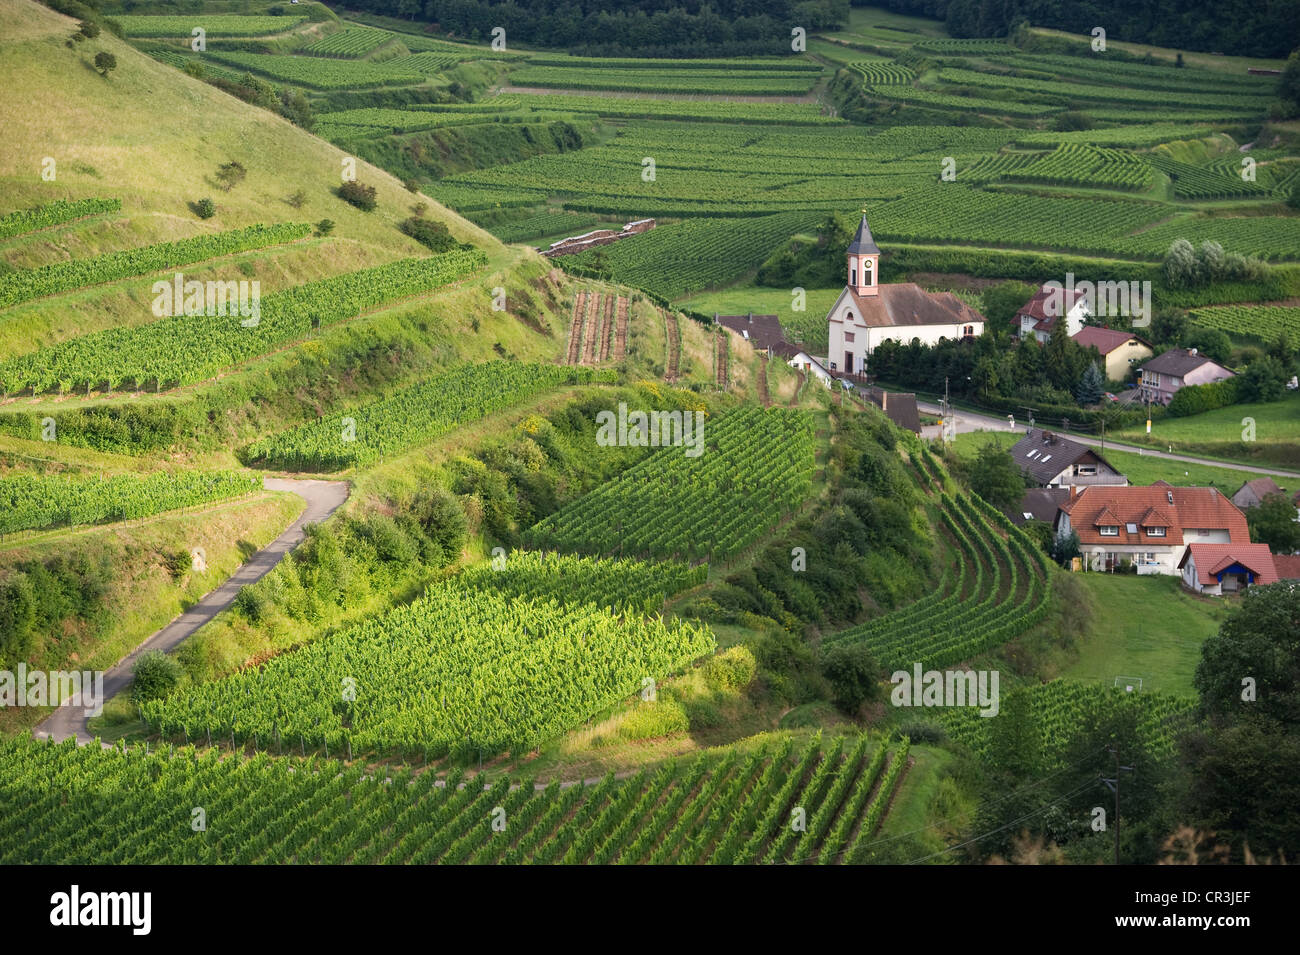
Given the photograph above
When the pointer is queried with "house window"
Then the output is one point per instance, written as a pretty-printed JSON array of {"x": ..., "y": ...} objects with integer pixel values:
[
  {"x": 968, "y": 331},
  {"x": 1109, "y": 530},
  {"x": 853, "y": 276},
  {"x": 1086, "y": 469},
  {"x": 848, "y": 336},
  {"x": 1131, "y": 527},
  {"x": 1155, "y": 532}
]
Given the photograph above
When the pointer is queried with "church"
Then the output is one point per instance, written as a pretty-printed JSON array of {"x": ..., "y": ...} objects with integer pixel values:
[{"x": 868, "y": 313}]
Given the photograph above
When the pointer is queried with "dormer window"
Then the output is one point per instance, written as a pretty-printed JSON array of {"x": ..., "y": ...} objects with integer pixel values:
[
  {"x": 1108, "y": 530},
  {"x": 1155, "y": 532}
]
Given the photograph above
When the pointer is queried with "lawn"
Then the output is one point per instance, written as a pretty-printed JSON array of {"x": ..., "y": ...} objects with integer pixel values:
[
  {"x": 1224, "y": 433},
  {"x": 741, "y": 300},
  {"x": 1138, "y": 468},
  {"x": 1146, "y": 627}
]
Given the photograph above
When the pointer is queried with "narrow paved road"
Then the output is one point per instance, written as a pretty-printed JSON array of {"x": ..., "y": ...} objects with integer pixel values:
[
  {"x": 323, "y": 499},
  {"x": 968, "y": 421}
]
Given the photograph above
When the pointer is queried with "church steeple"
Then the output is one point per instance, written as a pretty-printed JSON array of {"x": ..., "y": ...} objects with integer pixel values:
[{"x": 864, "y": 260}]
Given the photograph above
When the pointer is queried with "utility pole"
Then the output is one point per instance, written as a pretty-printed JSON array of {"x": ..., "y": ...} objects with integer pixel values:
[{"x": 1113, "y": 784}]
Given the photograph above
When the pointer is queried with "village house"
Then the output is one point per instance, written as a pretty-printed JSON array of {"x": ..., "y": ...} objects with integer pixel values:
[
  {"x": 868, "y": 313},
  {"x": 1038, "y": 316},
  {"x": 1148, "y": 526},
  {"x": 1252, "y": 493},
  {"x": 1163, "y": 375},
  {"x": 1039, "y": 504},
  {"x": 1121, "y": 352},
  {"x": 1051, "y": 460},
  {"x": 1218, "y": 569}
]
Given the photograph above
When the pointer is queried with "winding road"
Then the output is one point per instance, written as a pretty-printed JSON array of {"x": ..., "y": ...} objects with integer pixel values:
[
  {"x": 968, "y": 421},
  {"x": 323, "y": 499}
]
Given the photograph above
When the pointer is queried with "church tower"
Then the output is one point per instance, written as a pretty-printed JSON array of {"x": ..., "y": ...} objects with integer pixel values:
[{"x": 864, "y": 261}]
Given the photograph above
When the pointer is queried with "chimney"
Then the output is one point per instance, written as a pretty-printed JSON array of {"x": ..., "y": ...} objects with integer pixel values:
[{"x": 1074, "y": 493}]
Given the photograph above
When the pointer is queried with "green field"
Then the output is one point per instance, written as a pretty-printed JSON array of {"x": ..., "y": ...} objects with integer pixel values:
[{"x": 1146, "y": 627}]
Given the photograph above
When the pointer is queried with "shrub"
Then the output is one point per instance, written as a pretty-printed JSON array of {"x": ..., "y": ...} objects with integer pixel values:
[
  {"x": 178, "y": 562},
  {"x": 231, "y": 174},
  {"x": 1263, "y": 380},
  {"x": 298, "y": 199},
  {"x": 205, "y": 208},
  {"x": 1195, "y": 399},
  {"x": 325, "y": 227},
  {"x": 360, "y": 195},
  {"x": 664, "y": 717},
  {"x": 923, "y": 732},
  {"x": 428, "y": 233},
  {"x": 156, "y": 675},
  {"x": 105, "y": 62},
  {"x": 89, "y": 30},
  {"x": 733, "y": 669}
]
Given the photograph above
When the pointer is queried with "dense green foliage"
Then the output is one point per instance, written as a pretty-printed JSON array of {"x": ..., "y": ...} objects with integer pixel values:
[
  {"x": 28, "y": 502},
  {"x": 731, "y": 808},
  {"x": 25, "y": 284},
  {"x": 459, "y": 671}
]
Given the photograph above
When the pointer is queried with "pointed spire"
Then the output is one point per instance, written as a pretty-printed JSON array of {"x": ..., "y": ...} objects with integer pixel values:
[{"x": 863, "y": 243}]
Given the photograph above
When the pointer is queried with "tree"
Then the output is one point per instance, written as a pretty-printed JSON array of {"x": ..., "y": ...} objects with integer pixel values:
[
  {"x": 1263, "y": 380},
  {"x": 1242, "y": 781},
  {"x": 853, "y": 674},
  {"x": 1273, "y": 522},
  {"x": 1180, "y": 266},
  {"x": 1002, "y": 301},
  {"x": 1090, "y": 387},
  {"x": 1169, "y": 326},
  {"x": 995, "y": 477},
  {"x": 105, "y": 62},
  {"x": 205, "y": 209},
  {"x": 1065, "y": 547},
  {"x": 1284, "y": 351},
  {"x": 231, "y": 174},
  {"x": 1288, "y": 87},
  {"x": 88, "y": 30},
  {"x": 1211, "y": 342},
  {"x": 324, "y": 227}
]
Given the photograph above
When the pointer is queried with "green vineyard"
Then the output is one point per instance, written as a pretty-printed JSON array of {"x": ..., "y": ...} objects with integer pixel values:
[
  {"x": 755, "y": 469},
  {"x": 413, "y": 415},
  {"x": 461, "y": 671},
  {"x": 219, "y": 24},
  {"x": 1261, "y": 322},
  {"x": 53, "y": 213},
  {"x": 186, "y": 348},
  {"x": 25, "y": 284},
  {"x": 730, "y": 809},
  {"x": 32, "y": 503},
  {"x": 620, "y": 586},
  {"x": 1056, "y": 709},
  {"x": 993, "y": 588},
  {"x": 350, "y": 42}
]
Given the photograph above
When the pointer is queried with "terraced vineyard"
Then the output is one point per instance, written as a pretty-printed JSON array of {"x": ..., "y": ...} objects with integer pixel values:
[
  {"x": 460, "y": 671},
  {"x": 216, "y": 24},
  {"x": 29, "y": 503},
  {"x": 771, "y": 82},
  {"x": 717, "y": 809},
  {"x": 994, "y": 587},
  {"x": 25, "y": 284},
  {"x": 618, "y": 585},
  {"x": 322, "y": 74},
  {"x": 350, "y": 42},
  {"x": 1261, "y": 322},
  {"x": 53, "y": 213},
  {"x": 754, "y": 470},
  {"x": 1056, "y": 709},
  {"x": 188, "y": 348},
  {"x": 411, "y": 415}
]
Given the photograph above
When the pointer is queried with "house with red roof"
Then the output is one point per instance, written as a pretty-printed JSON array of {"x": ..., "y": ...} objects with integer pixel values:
[
  {"x": 1148, "y": 526},
  {"x": 1121, "y": 352},
  {"x": 1217, "y": 569},
  {"x": 1038, "y": 316}
]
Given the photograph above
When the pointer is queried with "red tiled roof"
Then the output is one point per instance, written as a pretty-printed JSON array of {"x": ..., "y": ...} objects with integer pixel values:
[
  {"x": 1192, "y": 507},
  {"x": 1036, "y": 307},
  {"x": 1105, "y": 340},
  {"x": 1287, "y": 566},
  {"x": 1212, "y": 559}
]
